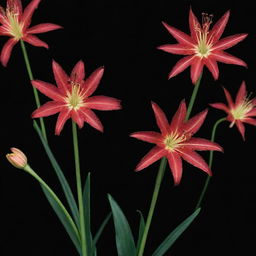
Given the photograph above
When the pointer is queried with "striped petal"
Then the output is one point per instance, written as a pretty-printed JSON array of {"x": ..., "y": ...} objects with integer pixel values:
[
  {"x": 220, "y": 106},
  {"x": 14, "y": 5},
  {"x": 152, "y": 156},
  {"x": 249, "y": 120},
  {"x": 89, "y": 117},
  {"x": 241, "y": 94},
  {"x": 228, "y": 98},
  {"x": 212, "y": 65},
  {"x": 228, "y": 42},
  {"x": 175, "y": 164},
  {"x": 251, "y": 112},
  {"x": 76, "y": 117},
  {"x": 60, "y": 76},
  {"x": 196, "y": 69},
  {"x": 179, "y": 117},
  {"x": 48, "y": 109},
  {"x": 151, "y": 137},
  {"x": 7, "y": 50},
  {"x": 240, "y": 127},
  {"x": 177, "y": 49},
  {"x": 28, "y": 12},
  {"x": 64, "y": 115},
  {"x": 161, "y": 119},
  {"x": 103, "y": 103},
  {"x": 42, "y": 28},
  {"x": 227, "y": 58},
  {"x": 194, "y": 25},
  {"x": 78, "y": 72},
  {"x": 201, "y": 144},
  {"x": 34, "y": 40}
]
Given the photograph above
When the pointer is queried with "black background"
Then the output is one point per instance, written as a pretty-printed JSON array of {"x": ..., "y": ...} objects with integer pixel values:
[{"x": 123, "y": 36}]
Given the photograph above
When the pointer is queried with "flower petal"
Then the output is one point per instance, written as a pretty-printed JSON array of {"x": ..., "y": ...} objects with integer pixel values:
[
  {"x": 89, "y": 117},
  {"x": 219, "y": 27},
  {"x": 3, "y": 30},
  {"x": 92, "y": 82},
  {"x": 241, "y": 94},
  {"x": 194, "y": 25},
  {"x": 42, "y": 28},
  {"x": 229, "y": 98},
  {"x": 252, "y": 112},
  {"x": 103, "y": 103},
  {"x": 196, "y": 69},
  {"x": 177, "y": 49},
  {"x": 180, "y": 36},
  {"x": 181, "y": 65},
  {"x": 220, "y": 106},
  {"x": 34, "y": 40},
  {"x": 14, "y": 5},
  {"x": 201, "y": 144},
  {"x": 64, "y": 115},
  {"x": 48, "y": 109},
  {"x": 77, "y": 118},
  {"x": 28, "y": 12},
  {"x": 195, "y": 159},
  {"x": 249, "y": 120},
  {"x": 60, "y": 76},
  {"x": 152, "y": 156},
  {"x": 212, "y": 65},
  {"x": 240, "y": 127},
  {"x": 6, "y": 51},
  {"x": 151, "y": 137},
  {"x": 194, "y": 123},
  {"x": 179, "y": 117},
  {"x": 175, "y": 164},
  {"x": 161, "y": 119},
  {"x": 78, "y": 72},
  {"x": 229, "y": 41},
  {"x": 48, "y": 89},
  {"x": 227, "y": 58}
]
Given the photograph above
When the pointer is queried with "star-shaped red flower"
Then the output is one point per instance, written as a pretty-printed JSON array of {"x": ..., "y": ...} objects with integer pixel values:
[
  {"x": 72, "y": 97},
  {"x": 241, "y": 111},
  {"x": 15, "y": 24},
  {"x": 175, "y": 142},
  {"x": 203, "y": 47}
]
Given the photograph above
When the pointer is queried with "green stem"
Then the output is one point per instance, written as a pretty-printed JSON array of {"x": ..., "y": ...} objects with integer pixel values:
[
  {"x": 79, "y": 189},
  {"x": 210, "y": 163},
  {"x": 160, "y": 176},
  {"x": 28, "y": 169},
  {"x": 30, "y": 75}
]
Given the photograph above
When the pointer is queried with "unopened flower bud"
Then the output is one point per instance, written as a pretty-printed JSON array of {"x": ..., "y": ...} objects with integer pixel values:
[{"x": 17, "y": 158}]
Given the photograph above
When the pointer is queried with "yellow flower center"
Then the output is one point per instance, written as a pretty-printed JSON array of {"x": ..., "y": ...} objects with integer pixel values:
[
  {"x": 75, "y": 99},
  {"x": 173, "y": 140},
  {"x": 15, "y": 28}
]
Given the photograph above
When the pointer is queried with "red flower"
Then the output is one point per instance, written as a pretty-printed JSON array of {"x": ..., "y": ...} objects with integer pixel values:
[
  {"x": 175, "y": 141},
  {"x": 15, "y": 23},
  {"x": 241, "y": 111},
  {"x": 72, "y": 97},
  {"x": 203, "y": 46}
]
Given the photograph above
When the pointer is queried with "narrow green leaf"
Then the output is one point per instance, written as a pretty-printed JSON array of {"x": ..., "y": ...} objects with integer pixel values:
[
  {"x": 141, "y": 230},
  {"x": 175, "y": 234},
  {"x": 64, "y": 184},
  {"x": 124, "y": 238}
]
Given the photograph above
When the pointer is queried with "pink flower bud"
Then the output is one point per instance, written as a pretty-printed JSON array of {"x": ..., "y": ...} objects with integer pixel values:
[{"x": 17, "y": 158}]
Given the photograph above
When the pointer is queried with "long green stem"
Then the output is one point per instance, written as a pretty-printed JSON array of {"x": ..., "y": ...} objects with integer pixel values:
[
  {"x": 160, "y": 176},
  {"x": 28, "y": 169},
  {"x": 30, "y": 75},
  {"x": 210, "y": 163},
  {"x": 79, "y": 190}
]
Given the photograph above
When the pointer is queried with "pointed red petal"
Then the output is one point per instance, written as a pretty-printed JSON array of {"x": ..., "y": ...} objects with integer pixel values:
[
  {"x": 219, "y": 27},
  {"x": 103, "y": 103},
  {"x": 212, "y": 65},
  {"x": 177, "y": 49},
  {"x": 181, "y": 65},
  {"x": 241, "y": 94},
  {"x": 179, "y": 117},
  {"x": 195, "y": 159},
  {"x": 89, "y": 117},
  {"x": 161, "y": 119},
  {"x": 77, "y": 118},
  {"x": 151, "y": 137},
  {"x": 34, "y": 40},
  {"x": 194, "y": 123},
  {"x": 6, "y": 51},
  {"x": 42, "y": 28},
  {"x": 194, "y": 25},
  {"x": 251, "y": 112},
  {"x": 240, "y": 127},
  {"x": 78, "y": 72},
  {"x": 201, "y": 144},
  {"x": 3, "y": 31},
  {"x": 60, "y": 76},
  {"x": 229, "y": 98},
  {"x": 92, "y": 82},
  {"x": 14, "y": 5},
  {"x": 152, "y": 156},
  {"x": 48, "y": 109},
  {"x": 180, "y": 36},
  {"x": 220, "y": 106},
  {"x": 175, "y": 164},
  {"x": 28, "y": 12},
  {"x": 228, "y": 42},
  {"x": 196, "y": 69},
  {"x": 249, "y": 120},
  {"x": 227, "y": 58},
  {"x": 48, "y": 89},
  {"x": 64, "y": 115}
]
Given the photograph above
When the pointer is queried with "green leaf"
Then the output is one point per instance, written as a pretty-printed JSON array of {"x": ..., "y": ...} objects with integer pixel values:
[
  {"x": 64, "y": 184},
  {"x": 141, "y": 230},
  {"x": 175, "y": 234},
  {"x": 124, "y": 239}
]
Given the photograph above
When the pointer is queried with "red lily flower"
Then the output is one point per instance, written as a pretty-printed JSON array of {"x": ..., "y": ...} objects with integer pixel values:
[
  {"x": 15, "y": 23},
  {"x": 203, "y": 46},
  {"x": 175, "y": 142},
  {"x": 71, "y": 98},
  {"x": 239, "y": 112}
]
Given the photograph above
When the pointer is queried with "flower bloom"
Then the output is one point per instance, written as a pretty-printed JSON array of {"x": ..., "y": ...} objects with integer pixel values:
[
  {"x": 241, "y": 111},
  {"x": 15, "y": 24},
  {"x": 203, "y": 47},
  {"x": 17, "y": 158},
  {"x": 175, "y": 142},
  {"x": 71, "y": 98}
]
